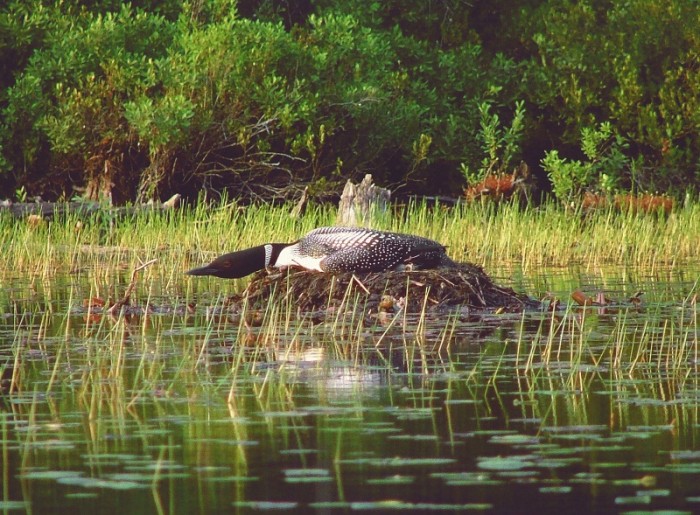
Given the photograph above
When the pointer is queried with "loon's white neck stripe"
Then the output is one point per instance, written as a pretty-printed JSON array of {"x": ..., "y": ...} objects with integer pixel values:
[{"x": 268, "y": 255}]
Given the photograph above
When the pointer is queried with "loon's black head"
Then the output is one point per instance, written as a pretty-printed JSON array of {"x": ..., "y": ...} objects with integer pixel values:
[{"x": 241, "y": 263}]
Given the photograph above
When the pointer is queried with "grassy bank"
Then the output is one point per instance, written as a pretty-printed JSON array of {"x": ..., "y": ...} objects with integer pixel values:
[{"x": 487, "y": 236}]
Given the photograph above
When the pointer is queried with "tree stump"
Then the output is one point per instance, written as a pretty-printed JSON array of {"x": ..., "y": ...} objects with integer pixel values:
[{"x": 359, "y": 202}]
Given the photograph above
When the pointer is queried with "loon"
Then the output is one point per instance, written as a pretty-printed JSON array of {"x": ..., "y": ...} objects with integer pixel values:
[{"x": 333, "y": 250}]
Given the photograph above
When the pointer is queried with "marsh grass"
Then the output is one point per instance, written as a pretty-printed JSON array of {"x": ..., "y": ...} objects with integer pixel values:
[
  {"x": 230, "y": 386},
  {"x": 487, "y": 235},
  {"x": 116, "y": 364}
]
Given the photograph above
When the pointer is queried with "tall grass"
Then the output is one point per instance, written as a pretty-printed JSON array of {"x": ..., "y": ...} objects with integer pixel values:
[{"x": 487, "y": 235}]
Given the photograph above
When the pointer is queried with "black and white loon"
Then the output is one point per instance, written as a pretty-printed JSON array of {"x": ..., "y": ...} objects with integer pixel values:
[{"x": 333, "y": 250}]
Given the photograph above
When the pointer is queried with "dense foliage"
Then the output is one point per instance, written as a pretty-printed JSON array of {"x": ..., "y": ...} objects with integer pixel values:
[{"x": 140, "y": 100}]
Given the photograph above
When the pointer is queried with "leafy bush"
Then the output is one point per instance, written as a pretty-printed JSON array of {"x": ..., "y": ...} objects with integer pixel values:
[
  {"x": 68, "y": 105},
  {"x": 260, "y": 97},
  {"x": 602, "y": 171},
  {"x": 634, "y": 64},
  {"x": 500, "y": 145}
]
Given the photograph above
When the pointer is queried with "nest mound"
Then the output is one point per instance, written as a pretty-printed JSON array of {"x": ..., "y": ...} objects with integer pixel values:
[{"x": 464, "y": 285}]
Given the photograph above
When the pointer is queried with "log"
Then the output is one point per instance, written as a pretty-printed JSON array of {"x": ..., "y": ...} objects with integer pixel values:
[{"x": 57, "y": 209}]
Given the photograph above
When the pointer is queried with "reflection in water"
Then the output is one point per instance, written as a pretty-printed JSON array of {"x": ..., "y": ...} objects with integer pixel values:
[{"x": 581, "y": 409}]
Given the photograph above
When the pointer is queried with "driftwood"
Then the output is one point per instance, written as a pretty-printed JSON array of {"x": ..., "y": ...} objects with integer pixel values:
[
  {"x": 124, "y": 301},
  {"x": 58, "y": 209},
  {"x": 359, "y": 201}
]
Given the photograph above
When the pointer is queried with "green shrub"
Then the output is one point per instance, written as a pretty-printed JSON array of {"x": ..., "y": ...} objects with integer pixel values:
[
  {"x": 500, "y": 145},
  {"x": 70, "y": 98},
  {"x": 168, "y": 95},
  {"x": 605, "y": 167},
  {"x": 634, "y": 64}
]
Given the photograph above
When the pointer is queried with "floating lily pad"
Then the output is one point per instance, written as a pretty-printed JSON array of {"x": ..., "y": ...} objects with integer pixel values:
[
  {"x": 588, "y": 475},
  {"x": 608, "y": 465},
  {"x": 91, "y": 482},
  {"x": 466, "y": 478},
  {"x": 392, "y": 480},
  {"x": 491, "y": 432},
  {"x": 306, "y": 472},
  {"x": 227, "y": 442},
  {"x": 413, "y": 437},
  {"x": 398, "y": 462},
  {"x": 161, "y": 467},
  {"x": 514, "y": 439},
  {"x": 633, "y": 499},
  {"x": 423, "y": 507},
  {"x": 416, "y": 414},
  {"x": 682, "y": 468},
  {"x": 661, "y": 492},
  {"x": 298, "y": 451},
  {"x": 309, "y": 479},
  {"x": 555, "y": 463},
  {"x": 50, "y": 474},
  {"x": 307, "y": 476},
  {"x": 231, "y": 479},
  {"x": 555, "y": 489},
  {"x": 130, "y": 476},
  {"x": 639, "y": 435},
  {"x": 685, "y": 455},
  {"x": 53, "y": 445},
  {"x": 505, "y": 463},
  {"x": 118, "y": 457},
  {"x": 266, "y": 505},
  {"x": 13, "y": 505}
]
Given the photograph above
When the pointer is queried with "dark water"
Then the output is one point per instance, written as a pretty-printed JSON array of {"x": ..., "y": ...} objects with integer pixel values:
[{"x": 588, "y": 410}]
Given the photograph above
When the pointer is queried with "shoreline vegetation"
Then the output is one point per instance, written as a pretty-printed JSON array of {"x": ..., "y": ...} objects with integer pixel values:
[
  {"x": 487, "y": 235},
  {"x": 131, "y": 102}
]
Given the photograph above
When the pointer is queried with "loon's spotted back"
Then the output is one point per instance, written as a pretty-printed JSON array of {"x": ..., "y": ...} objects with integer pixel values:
[{"x": 366, "y": 250}]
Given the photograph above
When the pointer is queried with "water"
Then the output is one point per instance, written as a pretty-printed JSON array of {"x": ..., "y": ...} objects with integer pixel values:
[{"x": 589, "y": 410}]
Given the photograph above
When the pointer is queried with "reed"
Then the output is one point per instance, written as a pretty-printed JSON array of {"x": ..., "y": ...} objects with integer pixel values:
[
  {"x": 68, "y": 261},
  {"x": 485, "y": 234}
]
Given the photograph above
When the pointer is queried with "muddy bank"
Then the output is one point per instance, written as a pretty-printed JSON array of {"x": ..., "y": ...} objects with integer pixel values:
[{"x": 465, "y": 285}]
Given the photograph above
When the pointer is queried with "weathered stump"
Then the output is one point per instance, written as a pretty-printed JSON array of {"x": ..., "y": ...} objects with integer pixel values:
[{"x": 359, "y": 201}]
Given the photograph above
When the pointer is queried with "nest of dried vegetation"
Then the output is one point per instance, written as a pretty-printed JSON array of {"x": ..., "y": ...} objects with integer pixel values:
[{"x": 464, "y": 286}]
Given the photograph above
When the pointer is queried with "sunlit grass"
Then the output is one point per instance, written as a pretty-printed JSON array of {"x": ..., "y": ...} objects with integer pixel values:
[
  {"x": 487, "y": 235},
  {"x": 93, "y": 258}
]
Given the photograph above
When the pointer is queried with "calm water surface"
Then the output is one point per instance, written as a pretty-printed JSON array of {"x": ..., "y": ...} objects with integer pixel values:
[{"x": 589, "y": 410}]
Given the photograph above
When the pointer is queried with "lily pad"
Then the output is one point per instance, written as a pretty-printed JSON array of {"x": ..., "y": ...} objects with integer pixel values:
[
  {"x": 555, "y": 489},
  {"x": 422, "y": 507},
  {"x": 505, "y": 463},
  {"x": 514, "y": 439},
  {"x": 50, "y": 474},
  {"x": 306, "y": 472},
  {"x": 231, "y": 479},
  {"x": 266, "y": 505},
  {"x": 13, "y": 505},
  {"x": 392, "y": 480}
]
